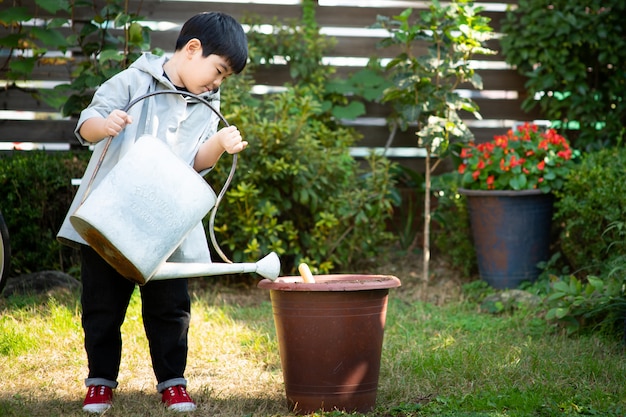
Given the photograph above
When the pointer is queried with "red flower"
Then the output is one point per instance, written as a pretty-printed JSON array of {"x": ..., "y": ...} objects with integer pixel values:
[
  {"x": 466, "y": 153},
  {"x": 516, "y": 161},
  {"x": 501, "y": 141},
  {"x": 565, "y": 154},
  {"x": 520, "y": 159}
]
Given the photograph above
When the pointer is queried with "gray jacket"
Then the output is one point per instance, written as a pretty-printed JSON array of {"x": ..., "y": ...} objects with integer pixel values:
[{"x": 182, "y": 123}]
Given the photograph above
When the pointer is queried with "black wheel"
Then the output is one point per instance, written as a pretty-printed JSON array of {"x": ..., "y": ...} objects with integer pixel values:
[{"x": 5, "y": 253}]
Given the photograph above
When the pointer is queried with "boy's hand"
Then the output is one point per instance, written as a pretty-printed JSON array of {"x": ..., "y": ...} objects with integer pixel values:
[
  {"x": 116, "y": 121},
  {"x": 230, "y": 139}
]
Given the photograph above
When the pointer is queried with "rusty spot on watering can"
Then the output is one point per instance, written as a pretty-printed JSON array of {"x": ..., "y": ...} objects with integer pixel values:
[{"x": 108, "y": 251}]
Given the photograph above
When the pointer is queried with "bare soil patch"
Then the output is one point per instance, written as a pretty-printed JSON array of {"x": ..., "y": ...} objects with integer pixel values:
[{"x": 445, "y": 283}]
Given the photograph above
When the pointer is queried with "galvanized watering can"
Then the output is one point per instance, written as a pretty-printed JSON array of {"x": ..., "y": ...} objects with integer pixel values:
[{"x": 147, "y": 205}]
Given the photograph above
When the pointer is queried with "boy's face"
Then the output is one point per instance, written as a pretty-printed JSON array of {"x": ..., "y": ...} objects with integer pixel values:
[{"x": 202, "y": 74}]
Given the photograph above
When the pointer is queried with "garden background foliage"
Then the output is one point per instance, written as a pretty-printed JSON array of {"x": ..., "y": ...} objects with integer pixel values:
[
  {"x": 574, "y": 55},
  {"x": 297, "y": 191}
]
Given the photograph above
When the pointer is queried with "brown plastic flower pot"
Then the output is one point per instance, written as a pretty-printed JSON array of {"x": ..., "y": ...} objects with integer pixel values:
[{"x": 330, "y": 336}]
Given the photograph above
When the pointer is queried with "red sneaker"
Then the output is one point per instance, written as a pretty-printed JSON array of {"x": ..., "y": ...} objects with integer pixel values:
[
  {"x": 177, "y": 399},
  {"x": 98, "y": 399}
]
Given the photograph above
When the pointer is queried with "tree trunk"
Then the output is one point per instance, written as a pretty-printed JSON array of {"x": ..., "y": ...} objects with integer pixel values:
[{"x": 425, "y": 266}]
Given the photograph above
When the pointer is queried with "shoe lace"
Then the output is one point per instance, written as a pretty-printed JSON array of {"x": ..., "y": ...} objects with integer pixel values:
[
  {"x": 96, "y": 390},
  {"x": 177, "y": 391}
]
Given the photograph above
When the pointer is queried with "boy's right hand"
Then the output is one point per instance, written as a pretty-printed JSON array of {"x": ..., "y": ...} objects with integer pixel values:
[{"x": 116, "y": 121}]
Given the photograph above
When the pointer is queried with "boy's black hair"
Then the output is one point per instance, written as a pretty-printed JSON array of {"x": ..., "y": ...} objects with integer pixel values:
[{"x": 220, "y": 34}]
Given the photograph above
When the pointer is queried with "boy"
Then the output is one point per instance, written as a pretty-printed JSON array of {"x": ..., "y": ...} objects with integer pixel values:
[{"x": 210, "y": 47}]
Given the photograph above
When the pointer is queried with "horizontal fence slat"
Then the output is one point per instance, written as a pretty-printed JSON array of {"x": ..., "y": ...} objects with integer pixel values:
[
  {"x": 344, "y": 46},
  {"x": 488, "y": 108},
  {"x": 493, "y": 79},
  {"x": 42, "y": 131},
  {"x": 179, "y": 11},
  {"x": 55, "y": 131},
  {"x": 504, "y": 109}
]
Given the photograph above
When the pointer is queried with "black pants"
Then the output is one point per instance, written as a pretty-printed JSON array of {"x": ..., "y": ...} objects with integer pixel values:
[{"x": 165, "y": 312}]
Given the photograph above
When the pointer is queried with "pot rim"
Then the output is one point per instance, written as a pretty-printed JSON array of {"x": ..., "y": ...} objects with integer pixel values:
[
  {"x": 500, "y": 193},
  {"x": 332, "y": 282}
]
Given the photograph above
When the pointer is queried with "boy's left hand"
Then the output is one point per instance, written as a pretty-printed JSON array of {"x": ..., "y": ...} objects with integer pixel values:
[{"x": 230, "y": 139}]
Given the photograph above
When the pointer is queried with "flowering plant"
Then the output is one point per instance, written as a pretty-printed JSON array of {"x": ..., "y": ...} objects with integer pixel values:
[{"x": 523, "y": 159}]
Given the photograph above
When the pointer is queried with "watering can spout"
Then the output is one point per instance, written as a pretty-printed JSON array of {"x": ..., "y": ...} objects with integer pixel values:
[{"x": 268, "y": 267}]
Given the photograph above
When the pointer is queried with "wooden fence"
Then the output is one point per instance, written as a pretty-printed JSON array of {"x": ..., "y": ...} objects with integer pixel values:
[{"x": 26, "y": 122}]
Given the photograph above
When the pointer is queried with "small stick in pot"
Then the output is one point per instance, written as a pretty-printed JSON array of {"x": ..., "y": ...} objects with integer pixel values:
[{"x": 306, "y": 274}]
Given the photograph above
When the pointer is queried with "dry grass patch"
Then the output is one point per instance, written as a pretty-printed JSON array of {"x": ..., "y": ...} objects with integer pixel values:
[{"x": 233, "y": 367}]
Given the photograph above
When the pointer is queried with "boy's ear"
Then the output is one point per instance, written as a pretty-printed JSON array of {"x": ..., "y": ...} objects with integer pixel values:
[{"x": 193, "y": 46}]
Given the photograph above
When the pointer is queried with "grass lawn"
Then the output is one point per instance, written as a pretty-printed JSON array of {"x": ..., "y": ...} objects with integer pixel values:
[{"x": 439, "y": 359}]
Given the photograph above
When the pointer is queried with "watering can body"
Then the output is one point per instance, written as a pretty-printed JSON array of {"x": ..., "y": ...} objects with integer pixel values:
[{"x": 144, "y": 209}]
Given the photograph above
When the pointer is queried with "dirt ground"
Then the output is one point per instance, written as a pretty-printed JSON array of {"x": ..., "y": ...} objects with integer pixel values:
[{"x": 444, "y": 285}]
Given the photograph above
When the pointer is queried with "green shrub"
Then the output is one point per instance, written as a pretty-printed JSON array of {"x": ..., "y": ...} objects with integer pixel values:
[
  {"x": 297, "y": 190},
  {"x": 574, "y": 55},
  {"x": 110, "y": 42},
  {"x": 593, "y": 303},
  {"x": 594, "y": 197},
  {"x": 452, "y": 234},
  {"x": 408, "y": 199},
  {"x": 36, "y": 193}
]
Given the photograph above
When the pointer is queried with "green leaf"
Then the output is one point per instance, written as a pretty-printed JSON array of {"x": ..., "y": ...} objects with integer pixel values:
[
  {"x": 88, "y": 29},
  {"x": 561, "y": 312},
  {"x": 15, "y": 15},
  {"x": 561, "y": 286},
  {"x": 476, "y": 81},
  {"x": 350, "y": 112},
  {"x": 556, "y": 296},
  {"x": 304, "y": 196},
  {"x": 575, "y": 286},
  {"x": 121, "y": 20},
  {"x": 11, "y": 41},
  {"x": 53, "y": 6},
  {"x": 518, "y": 182},
  {"x": 135, "y": 32},
  {"x": 595, "y": 282},
  {"x": 23, "y": 66},
  {"x": 50, "y": 37},
  {"x": 551, "y": 314},
  {"x": 57, "y": 22},
  {"x": 110, "y": 54},
  {"x": 373, "y": 93},
  {"x": 339, "y": 86}
]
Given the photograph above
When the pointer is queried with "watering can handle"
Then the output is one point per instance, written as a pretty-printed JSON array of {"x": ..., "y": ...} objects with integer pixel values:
[{"x": 226, "y": 184}]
